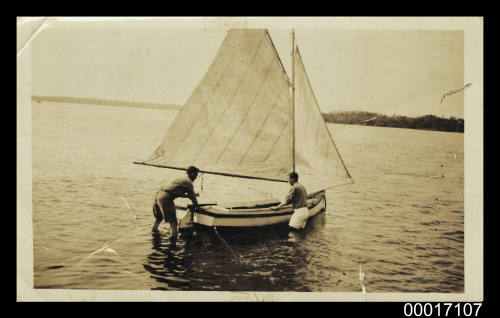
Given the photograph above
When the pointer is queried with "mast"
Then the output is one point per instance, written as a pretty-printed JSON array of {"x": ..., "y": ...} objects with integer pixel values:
[{"x": 293, "y": 101}]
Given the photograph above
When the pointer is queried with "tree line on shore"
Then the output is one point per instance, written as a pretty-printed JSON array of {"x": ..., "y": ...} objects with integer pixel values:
[{"x": 428, "y": 122}]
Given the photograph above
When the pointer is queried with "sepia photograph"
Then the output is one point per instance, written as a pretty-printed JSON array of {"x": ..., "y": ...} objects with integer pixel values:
[{"x": 250, "y": 158}]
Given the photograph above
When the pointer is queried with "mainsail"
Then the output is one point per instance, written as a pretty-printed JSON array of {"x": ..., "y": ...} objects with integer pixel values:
[{"x": 238, "y": 120}]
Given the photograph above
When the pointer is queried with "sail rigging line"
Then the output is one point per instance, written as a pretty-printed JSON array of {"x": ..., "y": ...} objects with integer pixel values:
[
  {"x": 319, "y": 110},
  {"x": 211, "y": 172},
  {"x": 249, "y": 107},
  {"x": 230, "y": 103},
  {"x": 339, "y": 185},
  {"x": 211, "y": 93}
]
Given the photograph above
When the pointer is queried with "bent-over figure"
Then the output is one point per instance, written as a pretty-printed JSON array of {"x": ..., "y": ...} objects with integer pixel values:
[{"x": 164, "y": 206}]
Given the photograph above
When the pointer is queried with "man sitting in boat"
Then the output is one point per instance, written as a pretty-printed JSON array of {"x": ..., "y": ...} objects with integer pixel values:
[
  {"x": 164, "y": 207},
  {"x": 297, "y": 197}
]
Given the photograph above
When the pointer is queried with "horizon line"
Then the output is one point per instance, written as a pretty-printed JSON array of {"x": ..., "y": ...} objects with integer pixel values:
[
  {"x": 111, "y": 102},
  {"x": 101, "y": 101}
]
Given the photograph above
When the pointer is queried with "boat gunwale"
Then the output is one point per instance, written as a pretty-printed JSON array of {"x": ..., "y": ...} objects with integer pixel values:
[
  {"x": 255, "y": 213},
  {"x": 312, "y": 197}
]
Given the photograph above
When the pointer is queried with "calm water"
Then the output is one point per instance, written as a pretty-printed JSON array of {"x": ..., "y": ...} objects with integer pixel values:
[{"x": 92, "y": 214}]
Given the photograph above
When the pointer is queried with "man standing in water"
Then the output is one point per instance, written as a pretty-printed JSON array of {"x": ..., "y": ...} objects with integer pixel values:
[
  {"x": 298, "y": 198},
  {"x": 164, "y": 207}
]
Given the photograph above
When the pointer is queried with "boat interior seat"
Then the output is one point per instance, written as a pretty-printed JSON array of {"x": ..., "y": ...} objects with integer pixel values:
[{"x": 265, "y": 203}]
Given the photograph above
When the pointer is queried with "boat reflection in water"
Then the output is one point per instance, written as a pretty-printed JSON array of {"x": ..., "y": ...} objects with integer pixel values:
[{"x": 272, "y": 259}]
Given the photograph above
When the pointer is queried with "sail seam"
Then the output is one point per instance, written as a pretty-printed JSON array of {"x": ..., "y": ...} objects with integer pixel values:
[
  {"x": 262, "y": 126},
  {"x": 227, "y": 113},
  {"x": 305, "y": 100},
  {"x": 231, "y": 101},
  {"x": 319, "y": 110},
  {"x": 209, "y": 97},
  {"x": 276, "y": 141},
  {"x": 260, "y": 129},
  {"x": 248, "y": 109}
]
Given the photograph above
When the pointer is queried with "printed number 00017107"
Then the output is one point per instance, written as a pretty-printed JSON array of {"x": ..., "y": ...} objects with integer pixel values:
[{"x": 442, "y": 309}]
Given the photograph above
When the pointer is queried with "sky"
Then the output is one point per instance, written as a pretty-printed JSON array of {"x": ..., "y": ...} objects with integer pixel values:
[{"x": 389, "y": 71}]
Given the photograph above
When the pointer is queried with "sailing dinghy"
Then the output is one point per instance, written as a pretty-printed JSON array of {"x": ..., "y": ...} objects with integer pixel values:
[{"x": 246, "y": 119}]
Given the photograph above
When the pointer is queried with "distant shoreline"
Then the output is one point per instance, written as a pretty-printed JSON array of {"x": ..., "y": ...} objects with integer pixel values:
[
  {"x": 427, "y": 122},
  {"x": 98, "y": 101}
]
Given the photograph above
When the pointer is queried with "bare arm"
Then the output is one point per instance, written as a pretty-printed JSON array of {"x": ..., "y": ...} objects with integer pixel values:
[
  {"x": 288, "y": 199},
  {"x": 191, "y": 195}
]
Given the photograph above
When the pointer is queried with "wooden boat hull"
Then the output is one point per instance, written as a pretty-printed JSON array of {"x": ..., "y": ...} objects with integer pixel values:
[{"x": 253, "y": 216}]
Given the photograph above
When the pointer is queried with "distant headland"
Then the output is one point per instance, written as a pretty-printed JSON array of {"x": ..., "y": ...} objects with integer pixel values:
[
  {"x": 98, "y": 101},
  {"x": 427, "y": 122}
]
